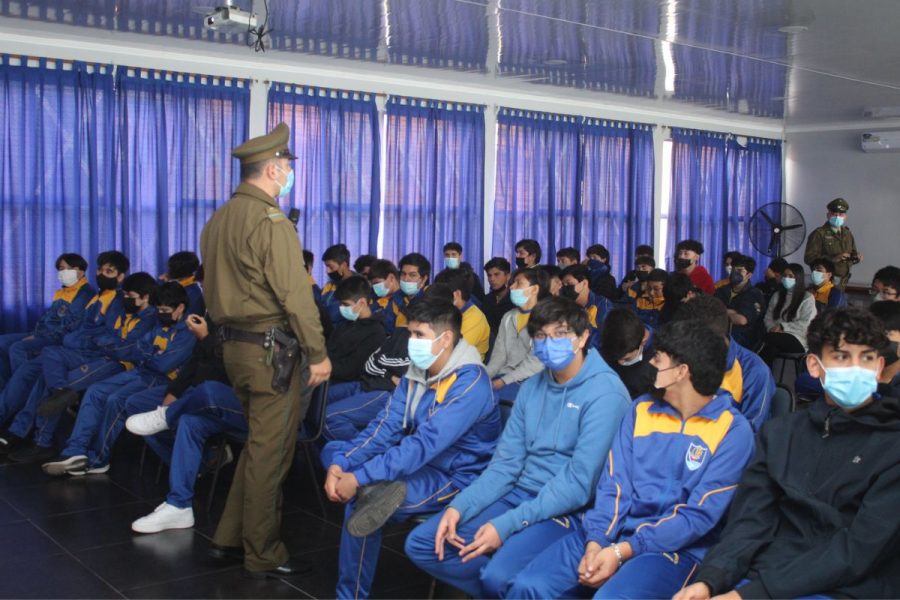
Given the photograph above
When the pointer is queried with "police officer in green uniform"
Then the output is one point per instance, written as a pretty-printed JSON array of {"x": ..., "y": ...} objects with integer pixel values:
[
  {"x": 268, "y": 322},
  {"x": 834, "y": 241}
]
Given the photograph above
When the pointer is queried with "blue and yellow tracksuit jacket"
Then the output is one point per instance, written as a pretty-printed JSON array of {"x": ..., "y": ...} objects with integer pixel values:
[
  {"x": 450, "y": 422},
  {"x": 196, "y": 304},
  {"x": 390, "y": 306},
  {"x": 66, "y": 312},
  {"x": 129, "y": 329},
  {"x": 161, "y": 351},
  {"x": 598, "y": 308},
  {"x": 647, "y": 308},
  {"x": 829, "y": 296},
  {"x": 475, "y": 328},
  {"x": 100, "y": 317},
  {"x": 750, "y": 382},
  {"x": 668, "y": 482}
]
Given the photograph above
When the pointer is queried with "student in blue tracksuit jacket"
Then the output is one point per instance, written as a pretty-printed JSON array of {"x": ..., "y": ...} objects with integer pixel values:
[
  {"x": 435, "y": 434},
  {"x": 747, "y": 378},
  {"x": 182, "y": 267},
  {"x": 669, "y": 478},
  {"x": 388, "y": 299},
  {"x": 62, "y": 316},
  {"x": 156, "y": 359},
  {"x": 576, "y": 280},
  {"x": 545, "y": 468}
]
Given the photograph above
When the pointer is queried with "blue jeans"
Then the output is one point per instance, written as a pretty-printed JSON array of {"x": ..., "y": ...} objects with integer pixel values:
[
  {"x": 485, "y": 576},
  {"x": 350, "y": 410},
  {"x": 554, "y": 574},
  {"x": 201, "y": 412},
  {"x": 427, "y": 490}
]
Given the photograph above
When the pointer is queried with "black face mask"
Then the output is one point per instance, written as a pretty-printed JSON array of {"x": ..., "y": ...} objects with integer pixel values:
[
  {"x": 165, "y": 319},
  {"x": 520, "y": 262},
  {"x": 335, "y": 276},
  {"x": 736, "y": 279},
  {"x": 107, "y": 283},
  {"x": 130, "y": 305},
  {"x": 682, "y": 264},
  {"x": 568, "y": 291}
]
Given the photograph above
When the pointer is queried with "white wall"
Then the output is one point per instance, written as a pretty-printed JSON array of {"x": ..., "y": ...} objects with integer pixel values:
[{"x": 821, "y": 166}]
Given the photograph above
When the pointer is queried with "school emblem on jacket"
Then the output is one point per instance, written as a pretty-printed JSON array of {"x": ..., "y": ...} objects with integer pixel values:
[{"x": 695, "y": 456}]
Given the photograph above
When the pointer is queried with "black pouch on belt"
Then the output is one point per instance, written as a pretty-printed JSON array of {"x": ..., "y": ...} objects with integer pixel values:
[{"x": 285, "y": 358}]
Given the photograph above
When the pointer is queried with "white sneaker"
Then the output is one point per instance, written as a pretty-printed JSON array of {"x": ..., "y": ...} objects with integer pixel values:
[
  {"x": 86, "y": 470},
  {"x": 148, "y": 423},
  {"x": 165, "y": 516},
  {"x": 65, "y": 465}
]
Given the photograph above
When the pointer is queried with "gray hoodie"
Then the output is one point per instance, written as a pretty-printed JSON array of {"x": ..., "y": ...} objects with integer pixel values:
[{"x": 512, "y": 357}]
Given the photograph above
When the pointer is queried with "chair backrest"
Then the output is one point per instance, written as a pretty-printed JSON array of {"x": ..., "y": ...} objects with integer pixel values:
[
  {"x": 782, "y": 401},
  {"x": 505, "y": 410},
  {"x": 313, "y": 424}
]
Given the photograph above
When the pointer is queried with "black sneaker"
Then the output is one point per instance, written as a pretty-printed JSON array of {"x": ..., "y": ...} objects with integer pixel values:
[
  {"x": 32, "y": 454},
  {"x": 10, "y": 442},
  {"x": 58, "y": 401},
  {"x": 375, "y": 504}
]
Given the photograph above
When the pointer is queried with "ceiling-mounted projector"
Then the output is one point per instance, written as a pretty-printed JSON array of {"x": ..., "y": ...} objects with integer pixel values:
[{"x": 228, "y": 17}]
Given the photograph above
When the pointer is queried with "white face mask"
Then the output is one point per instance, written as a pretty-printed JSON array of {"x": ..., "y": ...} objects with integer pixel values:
[{"x": 67, "y": 277}]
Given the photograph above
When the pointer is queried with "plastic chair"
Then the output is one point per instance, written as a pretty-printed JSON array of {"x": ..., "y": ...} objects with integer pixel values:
[{"x": 796, "y": 357}]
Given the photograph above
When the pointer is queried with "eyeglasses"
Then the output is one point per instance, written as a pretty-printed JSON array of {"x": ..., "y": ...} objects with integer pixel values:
[{"x": 556, "y": 335}]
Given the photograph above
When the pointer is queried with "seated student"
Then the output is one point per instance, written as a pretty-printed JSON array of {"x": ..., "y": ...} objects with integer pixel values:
[
  {"x": 577, "y": 286},
  {"x": 625, "y": 345},
  {"x": 546, "y": 465},
  {"x": 433, "y": 437},
  {"x": 496, "y": 301},
  {"x": 678, "y": 289},
  {"x": 771, "y": 282},
  {"x": 827, "y": 294},
  {"x": 554, "y": 278},
  {"x": 747, "y": 378},
  {"x": 566, "y": 257},
  {"x": 385, "y": 280},
  {"x": 182, "y": 268},
  {"x": 728, "y": 263},
  {"x": 640, "y": 252},
  {"x": 512, "y": 360},
  {"x": 363, "y": 264},
  {"x": 886, "y": 284},
  {"x": 62, "y": 316},
  {"x": 889, "y": 315},
  {"x": 687, "y": 261},
  {"x": 649, "y": 298},
  {"x": 475, "y": 328},
  {"x": 414, "y": 273},
  {"x": 745, "y": 303},
  {"x": 790, "y": 312},
  {"x": 100, "y": 314},
  {"x": 156, "y": 358},
  {"x": 198, "y": 404},
  {"x": 669, "y": 478},
  {"x": 308, "y": 261},
  {"x": 453, "y": 259},
  {"x": 815, "y": 514},
  {"x": 65, "y": 372},
  {"x": 602, "y": 281},
  {"x": 337, "y": 267},
  {"x": 643, "y": 265},
  {"x": 528, "y": 254},
  {"x": 359, "y": 335}
]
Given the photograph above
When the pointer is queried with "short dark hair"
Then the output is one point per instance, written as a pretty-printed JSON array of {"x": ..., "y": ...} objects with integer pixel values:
[
  {"x": 889, "y": 272},
  {"x": 658, "y": 275},
  {"x": 888, "y": 313},
  {"x": 778, "y": 265},
  {"x": 182, "y": 264},
  {"x": 414, "y": 259},
  {"x": 579, "y": 272},
  {"x": 691, "y": 245},
  {"x": 380, "y": 269},
  {"x": 498, "y": 262},
  {"x": 536, "y": 277},
  {"x": 598, "y": 250},
  {"x": 353, "y": 288},
  {"x": 622, "y": 333},
  {"x": 308, "y": 258},
  {"x": 551, "y": 271},
  {"x": 570, "y": 253},
  {"x": 731, "y": 255},
  {"x": 678, "y": 286},
  {"x": 705, "y": 309},
  {"x": 142, "y": 284},
  {"x": 822, "y": 262},
  {"x": 458, "y": 280},
  {"x": 643, "y": 250},
  {"x": 554, "y": 309},
  {"x": 697, "y": 346},
  {"x": 852, "y": 325},
  {"x": 531, "y": 247},
  {"x": 76, "y": 261},
  {"x": 254, "y": 169},
  {"x": 453, "y": 247},
  {"x": 363, "y": 261},
  {"x": 741, "y": 260},
  {"x": 436, "y": 312},
  {"x": 337, "y": 253},
  {"x": 171, "y": 294},
  {"x": 115, "y": 259},
  {"x": 441, "y": 291},
  {"x": 645, "y": 260}
]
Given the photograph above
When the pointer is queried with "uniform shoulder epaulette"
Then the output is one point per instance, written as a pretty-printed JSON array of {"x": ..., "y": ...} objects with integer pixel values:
[{"x": 275, "y": 215}]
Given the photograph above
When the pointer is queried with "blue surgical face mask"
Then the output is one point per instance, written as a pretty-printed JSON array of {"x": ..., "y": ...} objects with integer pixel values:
[
  {"x": 348, "y": 313},
  {"x": 288, "y": 185},
  {"x": 410, "y": 288},
  {"x": 817, "y": 277},
  {"x": 381, "y": 289},
  {"x": 420, "y": 352},
  {"x": 555, "y": 353},
  {"x": 788, "y": 282},
  {"x": 836, "y": 221},
  {"x": 518, "y": 297},
  {"x": 849, "y": 387},
  {"x": 451, "y": 262}
]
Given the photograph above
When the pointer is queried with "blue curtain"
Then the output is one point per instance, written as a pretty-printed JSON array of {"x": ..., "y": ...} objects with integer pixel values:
[
  {"x": 335, "y": 138},
  {"x": 439, "y": 33},
  {"x": 434, "y": 190},
  {"x": 616, "y": 200},
  {"x": 717, "y": 185},
  {"x": 175, "y": 133},
  {"x": 55, "y": 177}
]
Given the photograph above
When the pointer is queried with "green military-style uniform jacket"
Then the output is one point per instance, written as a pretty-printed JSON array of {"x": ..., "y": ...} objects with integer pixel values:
[{"x": 824, "y": 242}]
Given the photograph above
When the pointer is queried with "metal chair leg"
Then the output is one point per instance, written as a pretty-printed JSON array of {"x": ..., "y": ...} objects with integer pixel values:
[
  {"x": 220, "y": 456},
  {"x": 313, "y": 479}
]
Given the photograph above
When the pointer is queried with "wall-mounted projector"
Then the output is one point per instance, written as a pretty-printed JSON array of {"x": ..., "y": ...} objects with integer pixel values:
[
  {"x": 881, "y": 141},
  {"x": 227, "y": 18}
]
